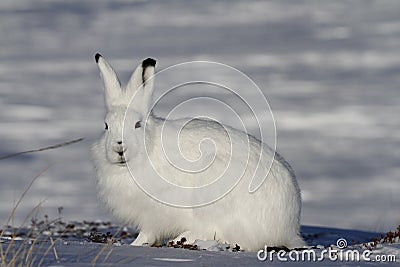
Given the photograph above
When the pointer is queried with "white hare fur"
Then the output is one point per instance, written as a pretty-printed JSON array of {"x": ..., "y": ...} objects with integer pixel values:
[{"x": 270, "y": 216}]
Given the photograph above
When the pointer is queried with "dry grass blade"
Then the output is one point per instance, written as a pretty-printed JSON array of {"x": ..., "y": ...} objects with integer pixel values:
[
  {"x": 42, "y": 149},
  {"x": 108, "y": 255},
  {"x": 94, "y": 261},
  {"x": 20, "y": 252},
  {"x": 22, "y": 196},
  {"x": 96, "y": 258},
  {"x": 51, "y": 247},
  {"x": 3, "y": 255}
]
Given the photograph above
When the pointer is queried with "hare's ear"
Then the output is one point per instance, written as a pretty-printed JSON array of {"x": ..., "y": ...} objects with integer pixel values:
[
  {"x": 141, "y": 85},
  {"x": 112, "y": 86}
]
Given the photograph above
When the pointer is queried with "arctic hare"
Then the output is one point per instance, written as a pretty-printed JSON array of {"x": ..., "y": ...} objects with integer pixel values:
[{"x": 269, "y": 216}]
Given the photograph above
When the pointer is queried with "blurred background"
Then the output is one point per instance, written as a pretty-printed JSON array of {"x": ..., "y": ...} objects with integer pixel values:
[{"x": 330, "y": 71}]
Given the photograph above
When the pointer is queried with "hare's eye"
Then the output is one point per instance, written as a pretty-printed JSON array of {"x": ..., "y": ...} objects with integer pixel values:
[
  {"x": 106, "y": 126},
  {"x": 138, "y": 124}
]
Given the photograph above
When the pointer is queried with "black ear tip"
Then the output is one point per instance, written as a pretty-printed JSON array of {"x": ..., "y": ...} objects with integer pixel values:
[
  {"x": 97, "y": 57},
  {"x": 148, "y": 62}
]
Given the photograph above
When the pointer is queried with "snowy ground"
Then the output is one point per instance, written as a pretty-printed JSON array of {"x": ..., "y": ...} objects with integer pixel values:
[
  {"x": 85, "y": 243},
  {"x": 329, "y": 70}
]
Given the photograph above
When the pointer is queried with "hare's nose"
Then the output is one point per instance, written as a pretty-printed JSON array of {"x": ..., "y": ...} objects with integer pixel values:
[
  {"x": 119, "y": 147},
  {"x": 120, "y": 153}
]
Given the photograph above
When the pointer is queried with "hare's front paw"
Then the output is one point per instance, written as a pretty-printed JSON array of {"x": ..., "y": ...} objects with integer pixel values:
[{"x": 141, "y": 240}]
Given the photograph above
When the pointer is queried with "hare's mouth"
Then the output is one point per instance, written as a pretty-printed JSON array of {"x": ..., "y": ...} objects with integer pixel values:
[{"x": 121, "y": 162}]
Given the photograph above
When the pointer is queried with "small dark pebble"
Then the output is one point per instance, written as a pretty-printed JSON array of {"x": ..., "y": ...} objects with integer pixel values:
[{"x": 236, "y": 248}]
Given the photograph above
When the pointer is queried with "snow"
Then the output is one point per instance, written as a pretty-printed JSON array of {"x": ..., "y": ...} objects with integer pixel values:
[
  {"x": 73, "y": 249},
  {"x": 329, "y": 70},
  {"x": 210, "y": 245}
]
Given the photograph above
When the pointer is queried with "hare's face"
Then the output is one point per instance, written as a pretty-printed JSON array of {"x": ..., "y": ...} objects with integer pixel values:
[
  {"x": 124, "y": 135},
  {"x": 115, "y": 147}
]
